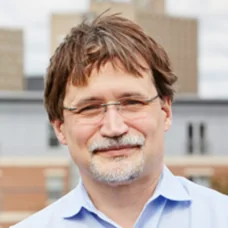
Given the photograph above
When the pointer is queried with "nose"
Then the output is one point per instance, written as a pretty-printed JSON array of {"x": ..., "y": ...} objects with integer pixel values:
[{"x": 113, "y": 124}]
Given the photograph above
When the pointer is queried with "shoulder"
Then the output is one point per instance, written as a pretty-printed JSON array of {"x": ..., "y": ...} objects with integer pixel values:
[
  {"x": 48, "y": 216},
  {"x": 207, "y": 205},
  {"x": 204, "y": 195}
]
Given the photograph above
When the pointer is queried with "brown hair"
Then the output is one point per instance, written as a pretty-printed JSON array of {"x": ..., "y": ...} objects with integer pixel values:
[{"x": 92, "y": 45}]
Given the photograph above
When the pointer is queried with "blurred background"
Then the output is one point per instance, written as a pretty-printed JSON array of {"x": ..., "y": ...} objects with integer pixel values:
[{"x": 35, "y": 170}]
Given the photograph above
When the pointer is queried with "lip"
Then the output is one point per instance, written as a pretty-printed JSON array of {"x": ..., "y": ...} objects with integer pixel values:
[{"x": 117, "y": 151}]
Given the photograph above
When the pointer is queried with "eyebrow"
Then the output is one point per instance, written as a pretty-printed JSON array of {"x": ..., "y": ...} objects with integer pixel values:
[
  {"x": 87, "y": 100},
  {"x": 131, "y": 94},
  {"x": 91, "y": 99}
]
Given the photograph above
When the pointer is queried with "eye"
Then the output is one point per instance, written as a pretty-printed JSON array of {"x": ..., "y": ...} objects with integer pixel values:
[
  {"x": 132, "y": 102},
  {"x": 88, "y": 109}
]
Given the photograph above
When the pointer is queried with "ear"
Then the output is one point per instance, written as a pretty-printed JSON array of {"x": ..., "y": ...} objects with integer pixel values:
[
  {"x": 167, "y": 109},
  {"x": 58, "y": 127}
]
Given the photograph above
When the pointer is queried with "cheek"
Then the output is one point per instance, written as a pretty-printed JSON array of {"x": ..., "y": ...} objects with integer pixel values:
[
  {"x": 79, "y": 135},
  {"x": 77, "y": 140},
  {"x": 147, "y": 126}
]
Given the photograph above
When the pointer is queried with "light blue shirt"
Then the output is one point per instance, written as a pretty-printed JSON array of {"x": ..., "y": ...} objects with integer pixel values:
[{"x": 176, "y": 203}]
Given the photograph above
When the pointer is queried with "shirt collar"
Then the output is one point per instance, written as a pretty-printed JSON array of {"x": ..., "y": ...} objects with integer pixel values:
[
  {"x": 168, "y": 187},
  {"x": 77, "y": 200}
]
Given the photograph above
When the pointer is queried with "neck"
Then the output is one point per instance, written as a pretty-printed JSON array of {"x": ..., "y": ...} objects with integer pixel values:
[{"x": 122, "y": 203}]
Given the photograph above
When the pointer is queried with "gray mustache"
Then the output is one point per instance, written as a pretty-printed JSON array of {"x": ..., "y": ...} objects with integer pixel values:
[{"x": 106, "y": 143}]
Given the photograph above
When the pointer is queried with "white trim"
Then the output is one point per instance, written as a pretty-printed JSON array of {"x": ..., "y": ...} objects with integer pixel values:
[
  {"x": 63, "y": 161},
  {"x": 34, "y": 161},
  {"x": 206, "y": 160},
  {"x": 205, "y": 172},
  {"x": 12, "y": 216},
  {"x": 55, "y": 172}
]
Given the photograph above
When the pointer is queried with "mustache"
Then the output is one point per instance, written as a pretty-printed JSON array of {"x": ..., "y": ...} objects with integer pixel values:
[{"x": 123, "y": 141}]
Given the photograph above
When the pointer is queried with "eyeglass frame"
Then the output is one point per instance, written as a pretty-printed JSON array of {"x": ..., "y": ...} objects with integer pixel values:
[{"x": 105, "y": 105}]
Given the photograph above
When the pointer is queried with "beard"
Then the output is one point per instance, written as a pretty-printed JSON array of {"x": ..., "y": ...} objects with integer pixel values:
[{"x": 118, "y": 170}]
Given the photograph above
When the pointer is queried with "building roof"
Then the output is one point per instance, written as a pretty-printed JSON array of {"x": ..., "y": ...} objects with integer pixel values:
[
  {"x": 21, "y": 96},
  {"x": 196, "y": 100},
  {"x": 34, "y": 161},
  {"x": 37, "y": 97}
]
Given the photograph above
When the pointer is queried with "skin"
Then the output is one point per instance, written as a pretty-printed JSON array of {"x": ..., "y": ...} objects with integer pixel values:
[{"x": 108, "y": 84}]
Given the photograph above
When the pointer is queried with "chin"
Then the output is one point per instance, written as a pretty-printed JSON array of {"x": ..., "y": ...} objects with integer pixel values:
[
  {"x": 116, "y": 183},
  {"x": 117, "y": 171}
]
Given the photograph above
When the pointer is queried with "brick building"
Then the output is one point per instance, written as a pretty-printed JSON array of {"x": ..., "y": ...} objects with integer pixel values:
[
  {"x": 210, "y": 171},
  {"x": 179, "y": 36},
  {"x": 12, "y": 59},
  {"x": 196, "y": 146},
  {"x": 30, "y": 184}
]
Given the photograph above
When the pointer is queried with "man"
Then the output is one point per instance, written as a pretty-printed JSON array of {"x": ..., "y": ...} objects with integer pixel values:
[{"x": 108, "y": 96}]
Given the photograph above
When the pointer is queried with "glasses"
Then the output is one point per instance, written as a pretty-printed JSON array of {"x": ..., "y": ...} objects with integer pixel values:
[{"x": 130, "y": 108}]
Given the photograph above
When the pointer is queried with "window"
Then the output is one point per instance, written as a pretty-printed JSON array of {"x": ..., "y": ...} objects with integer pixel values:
[
  {"x": 200, "y": 175},
  {"x": 202, "y": 134},
  {"x": 201, "y": 180},
  {"x": 52, "y": 139},
  {"x": 54, "y": 187},
  {"x": 54, "y": 184},
  {"x": 190, "y": 143}
]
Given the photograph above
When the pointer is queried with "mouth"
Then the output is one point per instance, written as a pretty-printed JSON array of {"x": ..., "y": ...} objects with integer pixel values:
[{"x": 114, "y": 151}]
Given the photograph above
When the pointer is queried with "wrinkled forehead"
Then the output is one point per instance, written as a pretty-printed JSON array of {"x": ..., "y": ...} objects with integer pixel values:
[
  {"x": 112, "y": 80},
  {"x": 80, "y": 76}
]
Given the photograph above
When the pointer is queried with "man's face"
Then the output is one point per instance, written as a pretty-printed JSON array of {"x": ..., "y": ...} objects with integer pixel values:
[{"x": 121, "y": 144}]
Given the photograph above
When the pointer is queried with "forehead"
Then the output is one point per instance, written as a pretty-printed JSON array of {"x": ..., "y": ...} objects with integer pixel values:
[{"x": 110, "y": 82}]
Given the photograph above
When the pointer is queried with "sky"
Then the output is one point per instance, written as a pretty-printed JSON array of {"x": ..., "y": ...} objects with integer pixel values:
[{"x": 34, "y": 16}]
